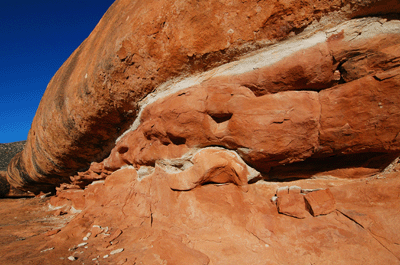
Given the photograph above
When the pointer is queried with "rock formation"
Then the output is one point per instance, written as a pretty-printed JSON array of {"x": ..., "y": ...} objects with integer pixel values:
[
  {"x": 140, "y": 47},
  {"x": 224, "y": 133}
]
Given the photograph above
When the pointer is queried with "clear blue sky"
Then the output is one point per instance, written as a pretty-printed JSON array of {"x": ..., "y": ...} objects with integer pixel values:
[{"x": 36, "y": 37}]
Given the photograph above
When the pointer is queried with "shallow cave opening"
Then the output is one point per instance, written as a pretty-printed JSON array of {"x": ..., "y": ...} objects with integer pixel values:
[{"x": 343, "y": 166}]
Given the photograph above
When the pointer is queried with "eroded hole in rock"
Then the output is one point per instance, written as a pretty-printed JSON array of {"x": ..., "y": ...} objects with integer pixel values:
[
  {"x": 176, "y": 140},
  {"x": 221, "y": 117},
  {"x": 123, "y": 149}
]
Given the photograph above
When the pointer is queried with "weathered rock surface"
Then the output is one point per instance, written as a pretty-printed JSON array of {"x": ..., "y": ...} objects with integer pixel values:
[
  {"x": 352, "y": 126},
  {"x": 259, "y": 133},
  {"x": 139, "y": 46},
  {"x": 221, "y": 224}
]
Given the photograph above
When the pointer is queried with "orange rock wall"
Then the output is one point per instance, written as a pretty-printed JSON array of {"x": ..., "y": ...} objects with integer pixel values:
[{"x": 137, "y": 46}]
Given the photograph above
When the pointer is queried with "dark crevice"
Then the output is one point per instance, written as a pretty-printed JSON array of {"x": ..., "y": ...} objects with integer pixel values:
[
  {"x": 280, "y": 180},
  {"x": 355, "y": 165},
  {"x": 214, "y": 183},
  {"x": 342, "y": 72},
  {"x": 351, "y": 219},
  {"x": 388, "y": 16},
  {"x": 221, "y": 117},
  {"x": 176, "y": 140},
  {"x": 376, "y": 78},
  {"x": 254, "y": 180}
]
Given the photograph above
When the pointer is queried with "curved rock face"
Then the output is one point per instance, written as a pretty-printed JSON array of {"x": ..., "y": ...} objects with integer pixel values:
[
  {"x": 141, "y": 46},
  {"x": 324, "y": 102},
  {"x": 246, "y": 133}
]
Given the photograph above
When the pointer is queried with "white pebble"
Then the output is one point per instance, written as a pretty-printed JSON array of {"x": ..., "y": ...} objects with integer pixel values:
[
  {"x": 117, "y": 251},
  {"x": 82, "y": 244},
  {"x": 87, "y": 236},
  {"x": 105, "y": 256},
  {"x": 44, "y": 250},
  {"x": 71, "y": 258}
]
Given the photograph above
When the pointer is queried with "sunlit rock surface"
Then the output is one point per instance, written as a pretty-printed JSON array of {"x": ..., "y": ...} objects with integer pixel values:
[{"x": 221, "y": 133}]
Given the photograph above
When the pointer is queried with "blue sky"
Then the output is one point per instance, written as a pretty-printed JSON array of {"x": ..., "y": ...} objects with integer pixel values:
[{"x": 36, "y": 37}]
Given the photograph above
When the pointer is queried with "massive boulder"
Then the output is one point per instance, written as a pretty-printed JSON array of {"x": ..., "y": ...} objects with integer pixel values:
[{"x": 142, "y": 46}]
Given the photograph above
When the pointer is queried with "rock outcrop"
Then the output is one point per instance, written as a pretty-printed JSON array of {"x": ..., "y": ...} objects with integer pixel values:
[
  {"x": 141, "y": 46},
  {"x": 222, "y": 132},
  {"x": 145, "y": 221},
  {"x": 276, "y": 123}
]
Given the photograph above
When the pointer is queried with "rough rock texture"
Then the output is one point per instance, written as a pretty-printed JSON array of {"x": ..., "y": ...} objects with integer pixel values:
[
  {"x": 248, "y": 133},
  {"x": 140, "y": 45},
  {"x": 320, "y": 202},
  {"x": 353, "y": 122},
  {"x": 218, "y": 224}
]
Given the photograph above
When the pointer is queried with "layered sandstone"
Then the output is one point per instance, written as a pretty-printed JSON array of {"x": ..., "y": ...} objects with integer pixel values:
[
  {"x": 140, "y": 45},
  {"x": 283, "y": 116},
  {"x": 232, "y": 132}
]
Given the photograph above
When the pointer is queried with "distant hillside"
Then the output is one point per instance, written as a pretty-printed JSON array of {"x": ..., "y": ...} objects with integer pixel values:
[{"x": 7, "y": 151}]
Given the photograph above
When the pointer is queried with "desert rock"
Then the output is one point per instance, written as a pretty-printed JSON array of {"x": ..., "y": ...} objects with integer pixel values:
[
  {"x": 96, "y": 94},
  {"x": 218, "y": 132}
]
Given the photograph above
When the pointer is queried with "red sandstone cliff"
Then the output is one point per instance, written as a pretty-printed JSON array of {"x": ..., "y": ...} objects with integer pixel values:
[
  {"x": 140, "y": 45},
  {"x": 233, "y": 132}
]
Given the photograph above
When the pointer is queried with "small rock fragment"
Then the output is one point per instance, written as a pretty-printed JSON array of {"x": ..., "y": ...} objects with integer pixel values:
[
  {"x": 44, "y": 250},
  {"x": 292, "y": 204},
  {"x": 105, "y": 256},
  {"x": 116, "y": 251},
  {"x": 82, "y": 244},
  {"x": 320, "y": 202},
  {"x": 282, "y": 190},
  {"x": 87, "y": 236},
  {"x": 72, "y": 248},
  {"x": 71, "y": 258}
]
